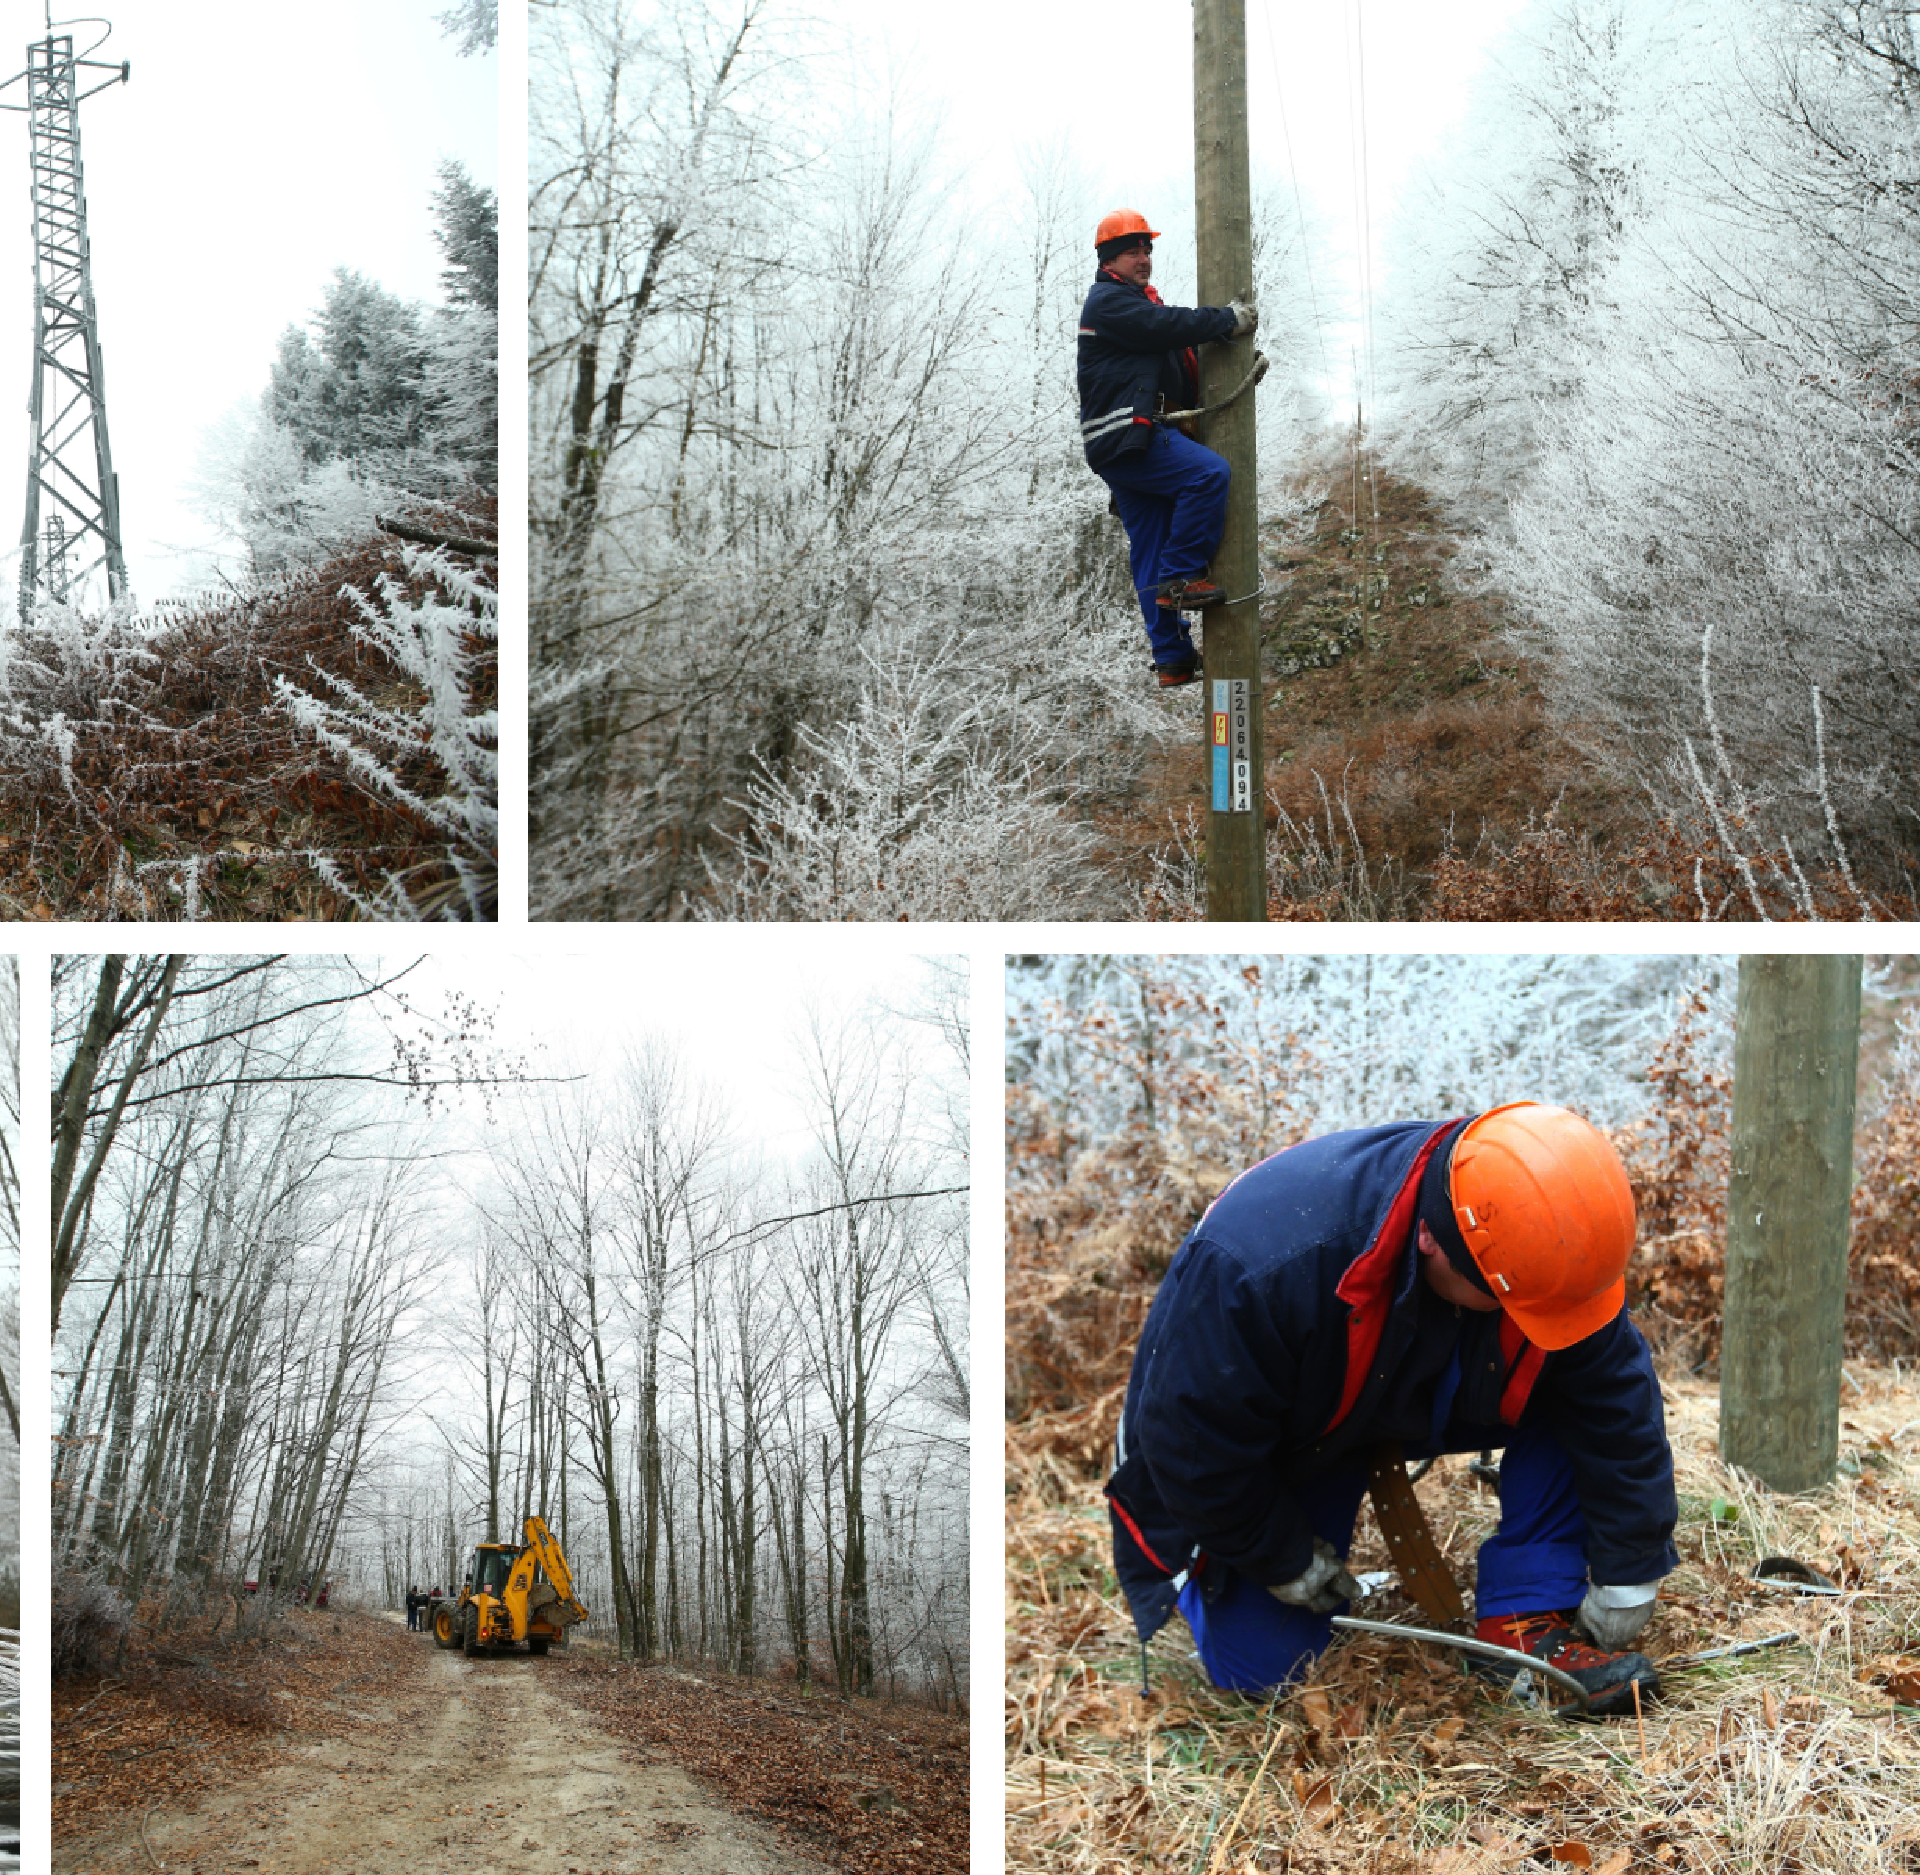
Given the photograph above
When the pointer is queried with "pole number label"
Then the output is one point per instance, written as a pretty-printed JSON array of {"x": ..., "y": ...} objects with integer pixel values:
[{"x": 1232, "y": 746}]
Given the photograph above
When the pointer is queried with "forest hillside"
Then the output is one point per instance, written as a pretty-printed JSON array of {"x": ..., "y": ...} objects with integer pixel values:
[
  {"x": 323, "y": 747},
  {"x": 829, "y": 621}
]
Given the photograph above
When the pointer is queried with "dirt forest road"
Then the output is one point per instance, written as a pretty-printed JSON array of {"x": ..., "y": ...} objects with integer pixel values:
[{"x": 477, "y": 1767}]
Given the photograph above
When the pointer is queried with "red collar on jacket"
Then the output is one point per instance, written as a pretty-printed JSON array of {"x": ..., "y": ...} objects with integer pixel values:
[{"x": 1368, "y": 1288}]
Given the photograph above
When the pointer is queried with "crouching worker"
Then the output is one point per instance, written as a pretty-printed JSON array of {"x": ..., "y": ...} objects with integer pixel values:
[
  {"x": 1451, "y": 1286},
  {"x": 1136, "y": 358}
]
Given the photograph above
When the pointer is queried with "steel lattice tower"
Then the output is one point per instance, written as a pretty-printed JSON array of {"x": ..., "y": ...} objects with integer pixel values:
[{"x": 72, "y": 528}]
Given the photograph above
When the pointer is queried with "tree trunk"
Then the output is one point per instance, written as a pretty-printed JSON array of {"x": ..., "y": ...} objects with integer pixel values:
[{"x": 1796, "y": 1055}]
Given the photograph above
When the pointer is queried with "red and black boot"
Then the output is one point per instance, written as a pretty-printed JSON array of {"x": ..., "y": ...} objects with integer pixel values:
[
  {"x": 1550, "y": 1637},
  {"x": 1191, "y": 594}
]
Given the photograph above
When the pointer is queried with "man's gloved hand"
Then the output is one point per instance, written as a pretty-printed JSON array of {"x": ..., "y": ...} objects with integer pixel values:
[
  {"x": 1248, "y": 315},
  {"x": 1322, "y": 1586},
  {"x": 1615, "y": 1616}
]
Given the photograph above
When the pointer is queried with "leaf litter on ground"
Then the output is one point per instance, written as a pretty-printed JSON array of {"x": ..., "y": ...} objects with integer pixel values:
[{"x": 1391, "y": 1760}]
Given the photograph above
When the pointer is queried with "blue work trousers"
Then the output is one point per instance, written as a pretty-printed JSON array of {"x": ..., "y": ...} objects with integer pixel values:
[
  {"x": 1172, "y": 497},
  {"x": 1535, "y": 1560}
]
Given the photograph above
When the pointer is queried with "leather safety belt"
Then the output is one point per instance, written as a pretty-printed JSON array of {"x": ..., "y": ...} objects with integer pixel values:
[{"x": 1423, "y": 1570}]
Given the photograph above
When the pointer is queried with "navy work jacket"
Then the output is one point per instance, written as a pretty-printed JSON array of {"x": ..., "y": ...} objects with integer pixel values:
[
  {"x": 1293, "y": 1331},
  {"x": 1132, "y": 350}
]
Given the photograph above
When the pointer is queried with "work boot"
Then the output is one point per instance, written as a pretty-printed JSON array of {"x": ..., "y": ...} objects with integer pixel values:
[
  {"x": 1190, "y": 594},
  {"x": 1173, "y": 675},
  {"x": 1549, "y": 1636}
]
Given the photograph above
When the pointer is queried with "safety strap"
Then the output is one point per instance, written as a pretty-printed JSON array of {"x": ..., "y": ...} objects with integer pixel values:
[
  {"x": 1423, "y": 1570},
  {"x": 1247, "y": 383}
]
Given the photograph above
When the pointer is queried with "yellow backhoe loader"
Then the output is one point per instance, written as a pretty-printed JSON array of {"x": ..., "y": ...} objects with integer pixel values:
[{"x": 504, "y": 1601}]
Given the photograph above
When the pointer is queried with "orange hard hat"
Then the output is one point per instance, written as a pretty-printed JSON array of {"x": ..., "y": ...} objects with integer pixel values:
[
  {"x": 1544, "y": 1204},
  {"x": 1123, "y": 221}
]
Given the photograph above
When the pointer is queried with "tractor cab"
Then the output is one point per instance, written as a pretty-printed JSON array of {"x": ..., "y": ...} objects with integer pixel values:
[{"x": 492, "y": 1564}]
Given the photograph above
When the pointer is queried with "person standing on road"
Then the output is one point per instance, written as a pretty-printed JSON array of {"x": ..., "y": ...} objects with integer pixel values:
[
  {"x": 1449, "y": 1286},
  {"x": 1136, "y": 360}
]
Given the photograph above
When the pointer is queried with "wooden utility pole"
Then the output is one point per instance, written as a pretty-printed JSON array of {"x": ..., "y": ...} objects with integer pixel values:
[
  {"x": 1796, "y": 1052},
  {"x": 1223, "y": 216}
]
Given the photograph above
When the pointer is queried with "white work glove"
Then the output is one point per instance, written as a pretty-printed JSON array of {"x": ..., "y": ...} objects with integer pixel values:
[
  {"x": 1322, "y": 1586},
  {"x": 1615, "y": 1616},
  {"x": 1247, "y": 313}
]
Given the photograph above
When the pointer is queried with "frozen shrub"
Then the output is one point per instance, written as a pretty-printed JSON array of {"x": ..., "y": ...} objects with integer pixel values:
[
  {"x": 435, "y": 754},
  {"x": 89, "y": 1624}
]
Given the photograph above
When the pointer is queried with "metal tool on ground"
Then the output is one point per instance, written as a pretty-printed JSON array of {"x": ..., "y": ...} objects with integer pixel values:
[
  {"x": 1468, "y": 1644},
  {"x": 1682, "y": 1663},
  {"x": 1426, "y": 1578},
  {"x": 1795, "y": 1576},
  {"x": 504, "y": 1602}
]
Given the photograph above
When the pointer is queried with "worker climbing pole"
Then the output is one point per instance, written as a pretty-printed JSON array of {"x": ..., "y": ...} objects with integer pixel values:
[
  {"x": 1223, "y": 214},
  {"x": 1166, "y": 420}
]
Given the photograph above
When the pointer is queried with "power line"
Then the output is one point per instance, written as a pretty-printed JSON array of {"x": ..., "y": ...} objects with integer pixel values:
[
  {"x": 1366, "y": 249},
  {"x": 1299, "y": 207}
]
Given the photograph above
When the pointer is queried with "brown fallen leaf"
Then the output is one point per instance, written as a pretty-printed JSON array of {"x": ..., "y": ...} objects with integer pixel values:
[
  {"x": 1575, "y": 1852},
  {"x": 1616, "y": 1864},
  {"x": 1770, "y": 1707},
  {"x": 1905, "y": 1686},
  {"x": 1316, "y": 1800},
  {"x": 1319, "y": 1711}
]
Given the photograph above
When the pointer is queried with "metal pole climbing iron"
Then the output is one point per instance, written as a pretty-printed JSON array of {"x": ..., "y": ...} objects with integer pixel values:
[
  {"x": 1223, "y": 214},
  {"x": 72, "y": 526}
]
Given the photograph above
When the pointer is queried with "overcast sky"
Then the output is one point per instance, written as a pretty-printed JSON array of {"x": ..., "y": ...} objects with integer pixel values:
[
  {"x": 1113, "y": 81},
  {"x": 255, "y": 149},
  {"x": 731, "y": 1001}
]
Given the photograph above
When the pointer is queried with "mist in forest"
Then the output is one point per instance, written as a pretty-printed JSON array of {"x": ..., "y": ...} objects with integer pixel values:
[{"x": 352, "y": 1270}]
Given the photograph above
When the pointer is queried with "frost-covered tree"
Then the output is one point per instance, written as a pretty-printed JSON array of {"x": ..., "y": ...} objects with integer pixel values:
[
  {"x": 354, "y": 391},
  {"x": 461, "y": 381},
  {"x": 475, "y": 23},
  {"x": 1503, "y": 249},
  {"x": 376, "y": 401},
  {"x": 1717, "y": 549},
  {"x": 1373, "y": 1038},
  {"x": 468, "y": 234}
]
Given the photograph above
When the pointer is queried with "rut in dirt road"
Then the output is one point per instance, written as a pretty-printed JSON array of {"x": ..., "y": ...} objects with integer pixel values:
[{"x": 485, "y": 1770}]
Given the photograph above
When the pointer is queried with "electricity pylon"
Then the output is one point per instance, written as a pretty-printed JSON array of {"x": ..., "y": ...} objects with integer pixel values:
[{"x": 72, "y": 529}]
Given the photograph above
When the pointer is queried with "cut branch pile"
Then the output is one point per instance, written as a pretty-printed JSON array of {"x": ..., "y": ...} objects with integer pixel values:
[
  {"x": 860, "y": 1787},
  {"x": 156, "y": 774}
]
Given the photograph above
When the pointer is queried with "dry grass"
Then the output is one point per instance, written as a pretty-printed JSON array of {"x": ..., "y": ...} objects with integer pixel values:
[{"x": 1390, "y": 1760}]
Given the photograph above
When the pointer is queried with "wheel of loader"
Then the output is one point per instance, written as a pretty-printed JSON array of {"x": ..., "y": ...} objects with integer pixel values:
[
  {"x": 445, "y": 1633},
  {"x": 470, "y": 1636}
]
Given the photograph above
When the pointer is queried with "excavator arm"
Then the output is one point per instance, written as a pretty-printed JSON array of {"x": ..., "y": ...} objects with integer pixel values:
[
  {"x": 541, "y": 1543},
  {"x": 555, "y": 1605}
]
